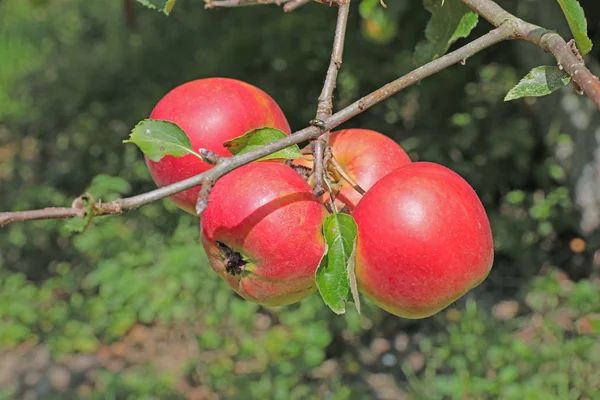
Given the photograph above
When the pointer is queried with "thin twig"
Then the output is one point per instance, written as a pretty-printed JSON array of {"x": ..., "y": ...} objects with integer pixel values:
[
  {"x": 340, "y": 170},
  {"x": 203, "y": 194},
  {"x": 504, "y": 32},
  {"x": 548, "y": 40},
  {"x": 240, "y": 3},
  {"x": 294, "y": 4},
  {"x": 325, "y": 105}
]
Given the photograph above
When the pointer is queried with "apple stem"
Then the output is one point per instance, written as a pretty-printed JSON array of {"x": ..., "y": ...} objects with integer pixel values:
[
  {"x": 340, "y": 170},
  {"x": 334, "y": 209}
]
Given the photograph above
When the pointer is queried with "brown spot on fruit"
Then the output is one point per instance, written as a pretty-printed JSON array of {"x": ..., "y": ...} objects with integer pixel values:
[{"x": 234, "y": 262}]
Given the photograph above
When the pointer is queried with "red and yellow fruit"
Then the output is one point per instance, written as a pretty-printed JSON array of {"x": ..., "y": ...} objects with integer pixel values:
[
  {"x": 366, "y": 156},
  {"x": 424, "y": 240},
  {"x": 210, "y": 111},
  {"x": 262, "y": 233}
]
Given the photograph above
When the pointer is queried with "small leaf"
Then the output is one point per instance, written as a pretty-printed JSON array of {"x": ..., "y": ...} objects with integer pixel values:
[
  {"x": 332, "y": 278},
  {"x": 540, "y": 81},
  {"x": 164, "y": 6},
  {"x": 160, "y": 138},
  {"x": 260, "y": 137},
  {"x": 578, "y": 24},
  {"x": 108, "y": 188},
  {"x": 79, "y": 224},
  {"x": 450, "y": 21},
  {"x": 75, "y": 225}
]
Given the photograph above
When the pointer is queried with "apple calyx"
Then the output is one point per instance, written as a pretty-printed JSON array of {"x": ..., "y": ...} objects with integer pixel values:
[{"x": 235, "y": 264}]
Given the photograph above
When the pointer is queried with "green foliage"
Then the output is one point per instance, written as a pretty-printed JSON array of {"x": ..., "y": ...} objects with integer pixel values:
[
  {"x": 108, "y": 188},
  {"x": 578, "y": 24},
  {"x": 164, "y": 6},
  {"x": 380, "y": 24},
  {"x": 333, "y": 275},
  {"x": 160, "y": 138},
  {"x": 540, "y": 81},
  {"x": 141, "y": 384},
  {"x": 535, "y": 356},
  {"x": 20, "y": 55},
  {"x": 450, "y": 21},
  {"x": 259, "y": 137}
]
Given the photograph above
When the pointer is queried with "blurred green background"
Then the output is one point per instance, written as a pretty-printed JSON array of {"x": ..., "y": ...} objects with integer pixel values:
[{"x": 130, "y": 309}]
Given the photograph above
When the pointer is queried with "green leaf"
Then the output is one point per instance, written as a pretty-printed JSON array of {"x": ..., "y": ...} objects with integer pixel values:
[
  {"x": 332, "y": 276},
  {"x": 260, "y": 137},
  {"x": 79, "y": 224},
  {"x": 164, "y": 6},
  {"x": 540, "y": 81},
  {"x": 578, "y": 24},
  {"x": 107, "y": 187},
  {"x": 450, "y": 21},
  {"x": 160, "y": 138}
]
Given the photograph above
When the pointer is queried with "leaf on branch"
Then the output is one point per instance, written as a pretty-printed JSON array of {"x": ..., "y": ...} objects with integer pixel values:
[
  {"x": 160, "y": 138},
  {"x": 578, "y": 24},
  {"x": 108, "y": 188},
  {"x": 79, "y": 224},
  {"x": 260, "y": 137},
  {"x": 333, "y": 277},
  {"x": 450, "y": 21},
  {"x": 164, "y": 6},
  {"x": 540, "y": 81}
]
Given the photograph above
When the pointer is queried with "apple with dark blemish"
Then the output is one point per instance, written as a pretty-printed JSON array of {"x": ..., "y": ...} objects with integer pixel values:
[{"x": 262, "y": 233}]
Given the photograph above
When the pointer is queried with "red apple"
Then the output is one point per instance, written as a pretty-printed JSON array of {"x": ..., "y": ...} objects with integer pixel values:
[
  {"x": 424, "y": 240},
  {"x": 262, "y": 233},
  {"x": 366, "y": 156},
  {"x": 210, "y": 111}
]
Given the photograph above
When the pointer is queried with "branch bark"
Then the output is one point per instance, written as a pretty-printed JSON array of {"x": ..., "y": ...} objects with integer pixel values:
[
  {"x": 325, "y": 104},
  {"x": 504, "y": 32},
  {"x": 294, "y": 4},
  {"x": 548, "y": 40},
  {"x": 240, "y": 3}
]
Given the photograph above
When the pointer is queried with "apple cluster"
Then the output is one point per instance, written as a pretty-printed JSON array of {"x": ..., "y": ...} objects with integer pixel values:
[{"x": 423, "y": 238}]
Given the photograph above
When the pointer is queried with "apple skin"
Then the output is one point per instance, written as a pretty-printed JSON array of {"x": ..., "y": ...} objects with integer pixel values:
[
  {"x": 267, "y": 214},
  {"x": 424, "y": 240},
  {"x": 366, "y": 156},
  {"x": 210, "y": 111}
]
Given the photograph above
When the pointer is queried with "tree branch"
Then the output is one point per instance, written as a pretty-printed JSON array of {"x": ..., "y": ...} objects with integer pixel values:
[
  {"x": 325, "y": 105},
  {"x": 548, "y": 40},
  {"x": 240, "y": 3},
  {"x": 505, "y": 31},
  {"x": 293, "y": 4}
]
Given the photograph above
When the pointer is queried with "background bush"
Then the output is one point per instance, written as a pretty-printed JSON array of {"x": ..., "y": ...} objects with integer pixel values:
[{"x": 131, "y": 309}]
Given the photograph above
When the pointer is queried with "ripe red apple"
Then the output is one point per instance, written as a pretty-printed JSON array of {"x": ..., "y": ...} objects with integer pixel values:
[
  {"x": 210, "y": 111},
  {"x": 366, "y": 156},
  {"x": 262, "y": 233},
  {"x": 424, "y": 240}
]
